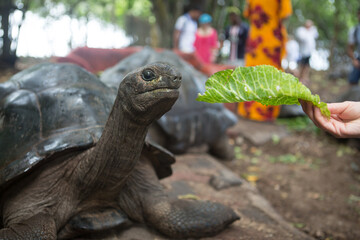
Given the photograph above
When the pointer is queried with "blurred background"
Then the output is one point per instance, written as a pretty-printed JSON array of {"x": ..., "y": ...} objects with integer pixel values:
[{"x": 44, "y": 28}]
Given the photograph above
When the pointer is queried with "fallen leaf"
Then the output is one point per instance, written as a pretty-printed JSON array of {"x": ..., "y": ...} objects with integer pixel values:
[
  {"x": 252, "y": 178},
  {"x": 188, "y": 196}
]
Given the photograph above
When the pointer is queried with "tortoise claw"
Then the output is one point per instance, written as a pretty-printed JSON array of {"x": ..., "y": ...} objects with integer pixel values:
[{"x": 184, "y": 218}]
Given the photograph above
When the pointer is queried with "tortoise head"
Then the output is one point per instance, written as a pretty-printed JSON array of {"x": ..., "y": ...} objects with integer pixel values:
[{"x": 149, "y": 92}]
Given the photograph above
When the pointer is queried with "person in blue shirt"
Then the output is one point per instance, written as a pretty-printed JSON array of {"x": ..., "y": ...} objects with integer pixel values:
[{"x": 353, "y": 51}]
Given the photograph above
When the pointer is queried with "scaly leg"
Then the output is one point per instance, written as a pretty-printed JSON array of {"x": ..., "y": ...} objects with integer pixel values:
[
  {"x": 144, "y": 200},
  {"x": 40, "y": 226}
]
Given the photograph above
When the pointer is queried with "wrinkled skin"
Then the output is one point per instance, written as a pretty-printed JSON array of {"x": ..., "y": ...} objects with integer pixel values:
[
  {"x": 189, "y": 123},
  {"x": 114, "y": 174}
]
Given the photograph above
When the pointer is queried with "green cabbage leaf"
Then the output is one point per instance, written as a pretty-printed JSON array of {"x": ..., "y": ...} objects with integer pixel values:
[{"x": 264, "y": 84}]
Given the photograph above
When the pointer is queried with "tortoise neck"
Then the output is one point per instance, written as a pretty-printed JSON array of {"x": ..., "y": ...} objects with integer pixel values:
[{"x": 114, "y": 157}]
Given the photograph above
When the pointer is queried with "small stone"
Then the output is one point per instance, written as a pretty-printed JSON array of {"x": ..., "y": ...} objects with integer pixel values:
[
  {"x": 224, "y": 180},
  {"x": 319, "y": 234}
]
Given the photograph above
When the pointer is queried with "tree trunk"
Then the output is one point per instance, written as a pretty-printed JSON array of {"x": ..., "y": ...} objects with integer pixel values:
[
  {"x": 7, "y": 57},
  {"x": 334, "y": 38},
  {"x": 165, "y": 20}
]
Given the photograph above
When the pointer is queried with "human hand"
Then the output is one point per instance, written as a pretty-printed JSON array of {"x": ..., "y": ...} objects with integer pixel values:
[{"x": 344, "y": 120}]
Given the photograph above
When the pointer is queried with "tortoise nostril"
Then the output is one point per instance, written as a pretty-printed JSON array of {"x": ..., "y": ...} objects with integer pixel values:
[{"x": 177, "y": 78}]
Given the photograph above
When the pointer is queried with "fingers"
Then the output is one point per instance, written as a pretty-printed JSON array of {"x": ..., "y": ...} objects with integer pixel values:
[
  {"x": 320, "y": 120},
  {"x": 344, "y": 120},
  {"x": 337, "y": 108},
  {"x": 330, "y": 125},
  {"x": 308, "y": 108},
  {"x": 346, "y": 110},
  {"x": 313, "y": 113}
]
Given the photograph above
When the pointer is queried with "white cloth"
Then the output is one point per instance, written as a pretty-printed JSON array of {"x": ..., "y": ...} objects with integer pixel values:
[
  {"x": 306, "y": 38},
  {"x": 292, "y": 51},
  {"x": 234, "y": 39},
  {"x": 187, "y": 27}
]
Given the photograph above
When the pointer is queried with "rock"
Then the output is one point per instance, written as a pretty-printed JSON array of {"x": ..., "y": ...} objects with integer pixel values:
[
  {"x": 320, "y": 234},
  {"x": 258, "y": 133},
  {"x": 224, "y": 180},
  {"x": 289, "y": 111},
  {"x": 259, "y": 220}
]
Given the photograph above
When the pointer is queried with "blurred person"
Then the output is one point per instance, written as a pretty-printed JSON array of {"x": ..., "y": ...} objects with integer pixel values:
[
  {"x": 185, "y": 30},
  {"x": 236, "y": 33},
  {"x": 344, "y": 121},
  {"x": 206, "y": 40},
  {"x": 353, "y": 51},
  {"x": 265, "y": 45},
  {"x": 306, "y": 36},
  {"x": 292, "y": 55}
]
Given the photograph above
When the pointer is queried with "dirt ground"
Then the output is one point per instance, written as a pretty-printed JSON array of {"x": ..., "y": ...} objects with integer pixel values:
[{"x": 311, "y": 179}]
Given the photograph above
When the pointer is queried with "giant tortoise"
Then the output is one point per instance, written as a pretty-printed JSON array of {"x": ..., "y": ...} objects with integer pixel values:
[
  {"x": 190, "y": 122},
  {"x": 74, "y": 161}
]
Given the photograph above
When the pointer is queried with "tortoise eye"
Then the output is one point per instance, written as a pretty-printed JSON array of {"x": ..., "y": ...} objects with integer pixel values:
[{"x": 148, "y": 75}]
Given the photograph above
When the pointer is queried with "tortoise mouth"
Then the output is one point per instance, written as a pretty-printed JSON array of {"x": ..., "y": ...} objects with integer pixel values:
[
  {"x": 156, "y": 102},
  {"x": 162, "y": 92}
]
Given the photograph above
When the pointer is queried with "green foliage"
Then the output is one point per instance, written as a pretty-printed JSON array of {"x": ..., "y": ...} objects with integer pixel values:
[
  {"x": 238, "y": 153},
  {"x": 299, "y": 225},
  {"x": 344, "y": 150},
  {"x": 275, "y": 139},
  {"x": 264, "y": 84},
  {"x": 352, "y": 198},
  {"x": 297, "y": 124},
  {"x": 333, "y": 19},
  {"x": 288, "y": 159},
  {"x": 296, "y": 159},
  {"x": 107, "y": 10}
]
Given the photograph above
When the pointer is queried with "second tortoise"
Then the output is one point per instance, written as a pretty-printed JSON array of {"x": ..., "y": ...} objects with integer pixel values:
[{"x": 74, "y": 161}]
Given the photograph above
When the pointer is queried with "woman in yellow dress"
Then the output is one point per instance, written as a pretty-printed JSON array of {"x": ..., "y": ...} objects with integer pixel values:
[{"x": 265, "y": 45}]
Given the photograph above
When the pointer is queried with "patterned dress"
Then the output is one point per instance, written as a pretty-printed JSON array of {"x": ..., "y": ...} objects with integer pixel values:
[{"x": 265, "y": 45}]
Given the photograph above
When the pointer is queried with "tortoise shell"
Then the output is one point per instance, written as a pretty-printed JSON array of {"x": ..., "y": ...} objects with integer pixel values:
[
  {"x": 189, "y": 122},
  {"x": 50, "y": 109}
]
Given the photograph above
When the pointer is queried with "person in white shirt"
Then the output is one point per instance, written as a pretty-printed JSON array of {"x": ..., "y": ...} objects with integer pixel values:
[
  {"x": 185, "y": 30},
  {"x": 306, "y": 36},
  {"x": 292, "y": 55}
]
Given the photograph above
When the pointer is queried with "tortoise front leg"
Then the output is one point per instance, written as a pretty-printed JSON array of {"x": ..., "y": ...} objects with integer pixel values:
[
  {"x": 144, "y": 200},
  {"x": 40, "y": 226},
  {"x": 222, "y": 149}
]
